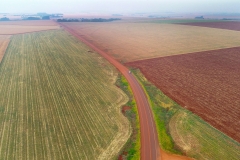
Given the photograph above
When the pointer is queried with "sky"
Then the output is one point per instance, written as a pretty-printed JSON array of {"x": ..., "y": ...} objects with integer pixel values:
[{"x": 119, "y": 6}]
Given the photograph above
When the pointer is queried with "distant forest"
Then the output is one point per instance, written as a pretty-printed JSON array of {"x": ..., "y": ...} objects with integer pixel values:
[
  {"x": 89, "y": 20},
  {"x": 4, "y": 19}
]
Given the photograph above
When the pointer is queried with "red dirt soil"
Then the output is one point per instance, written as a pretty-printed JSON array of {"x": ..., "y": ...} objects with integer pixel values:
[
  {"x": 125, "y": 108},
  {"x": 230, "y": 25},
  {"x": 207, "y": 83},
  {"x": 169, "y": 156}
]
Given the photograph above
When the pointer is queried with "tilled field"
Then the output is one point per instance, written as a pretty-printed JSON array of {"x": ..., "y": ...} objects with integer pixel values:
[
  {"x": 222, "y": 25},
  {"x": 207, "y": 83},
  {"x": 134, "y": 41}
]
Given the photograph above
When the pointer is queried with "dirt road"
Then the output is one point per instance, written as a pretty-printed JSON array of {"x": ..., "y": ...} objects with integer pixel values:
[{"x": 149, "y": 140}]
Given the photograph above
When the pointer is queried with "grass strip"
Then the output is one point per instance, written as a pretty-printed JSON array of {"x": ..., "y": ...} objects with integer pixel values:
[
  {"x": 131, "y": 150},
  {"x": 162, "y": 112}
]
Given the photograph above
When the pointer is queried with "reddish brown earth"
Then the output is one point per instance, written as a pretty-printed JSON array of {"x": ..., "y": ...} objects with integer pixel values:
[
  {"x": 230, "y": 25},
  {"x": 149, "y": 140},
  {"x": 125, "y": 108},
  {"x": 169, "y": 156},
  {"x": 207, "y": 83}
]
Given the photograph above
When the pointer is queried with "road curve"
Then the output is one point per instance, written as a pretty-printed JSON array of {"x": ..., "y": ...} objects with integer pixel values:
[{"x": 150, "y": 149}]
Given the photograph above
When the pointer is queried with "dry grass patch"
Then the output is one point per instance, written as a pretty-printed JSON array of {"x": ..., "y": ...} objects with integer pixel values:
[
  {"x": 30, "y": 23},
  {"x": 134, "y": 41},
  {"x": 19, "y": 29}
]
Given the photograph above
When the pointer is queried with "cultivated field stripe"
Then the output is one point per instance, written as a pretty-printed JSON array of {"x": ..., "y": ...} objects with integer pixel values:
[{"x": 63, "y": 98}]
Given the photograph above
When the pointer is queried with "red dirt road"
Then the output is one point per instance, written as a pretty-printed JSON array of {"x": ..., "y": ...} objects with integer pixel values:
[{"x": 149, "y": 140}]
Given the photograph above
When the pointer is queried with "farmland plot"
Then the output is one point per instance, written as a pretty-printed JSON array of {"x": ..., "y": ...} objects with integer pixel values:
[
  {"x": 134, "y": 41},
  {"x": 20, "y": 29},
  {"x": 30, "y": 23},
  {"x": 191, "y": 134},
  {"x": 199, "y": 140},
  {"x": 230, "y": 25},
  {"x": 206, "y": 83},
  {"x": 58, "y": 101},
  {"x": 4, "y": 40}
]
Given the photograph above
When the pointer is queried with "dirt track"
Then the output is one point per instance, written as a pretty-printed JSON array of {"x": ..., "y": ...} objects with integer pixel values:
[{"x": 149, "y": 139}]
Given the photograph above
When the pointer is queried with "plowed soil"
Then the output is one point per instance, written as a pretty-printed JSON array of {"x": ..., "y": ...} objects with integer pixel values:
[
  {"x": 222, "y": 25},
  {"x": 134, "y": 41},
  {"x": 207, "y": 83}
]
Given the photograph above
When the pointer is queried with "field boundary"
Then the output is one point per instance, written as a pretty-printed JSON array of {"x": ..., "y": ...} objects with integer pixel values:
[
  {"x": 3, "y": 48},
  {"x": 31, "y": 32}
]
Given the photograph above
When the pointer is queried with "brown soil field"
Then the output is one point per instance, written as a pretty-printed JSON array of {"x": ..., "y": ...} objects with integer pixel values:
[
  {"x": 30, "y": 23},
  {"x": 229, "y": 25},
  {"x": 206, "y": 83},
  {"x": 19, "y": 29},
  {"x": 134, "y": 41},
  {"x": 4, "y": 40}
]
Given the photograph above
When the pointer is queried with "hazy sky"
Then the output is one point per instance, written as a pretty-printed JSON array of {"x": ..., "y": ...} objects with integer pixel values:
[{"x": 118, "y": 6}]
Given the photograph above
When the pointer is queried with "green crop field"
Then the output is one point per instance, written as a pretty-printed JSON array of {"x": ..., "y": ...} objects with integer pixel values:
[
  {"x": 58, "y": 100},
  {"x": 198, "y": 139}
]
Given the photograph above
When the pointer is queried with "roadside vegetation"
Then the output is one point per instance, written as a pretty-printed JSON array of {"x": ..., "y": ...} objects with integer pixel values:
[
  {"x": 58, "y": 100},
  {"x": 182, "y": 132},
  {"x": 131, "y": 150}
]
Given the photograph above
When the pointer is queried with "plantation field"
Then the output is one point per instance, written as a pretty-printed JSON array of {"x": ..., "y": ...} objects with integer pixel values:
[
  {"x": 58, "y": 100},
  {"x": 230, "y": 25},
  {"x": 19, "y": 29},
  {"x": 4, "y": 40},
  {"x": 179, "y": 129},
  {"x": 206, "y": 83},
  {"x": 134, "y": 41}
]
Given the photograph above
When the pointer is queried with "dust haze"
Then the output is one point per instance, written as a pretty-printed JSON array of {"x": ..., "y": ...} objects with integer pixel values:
[{"x": 120, "y": 6}]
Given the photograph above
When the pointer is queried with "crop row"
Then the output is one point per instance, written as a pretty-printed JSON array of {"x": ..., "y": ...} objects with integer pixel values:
[{"x": 58, "y": 101}]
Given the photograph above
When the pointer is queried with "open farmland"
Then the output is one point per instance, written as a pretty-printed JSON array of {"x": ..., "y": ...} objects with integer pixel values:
[
  {"x": 30, "y": 23},
  {"x": 230, "y": 25},
  {"x": 206, "y": 83},
  {"x": 19, "y": 29},
  {"x": 180, "y": 129},
  {"x": 4, "y": 40},
  {"x": 58, "y": 100},
  {"x": 134, "y": 41}
]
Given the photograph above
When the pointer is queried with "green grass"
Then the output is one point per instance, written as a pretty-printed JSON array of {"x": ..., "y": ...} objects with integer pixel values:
[
  {"x": 163, "y": 109},
  {"x": 182, "y": 132},
  {"x": 59, "y": 101},
  {"x": 132, "y": 147},
  {"x": 200, "y": 140}
]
